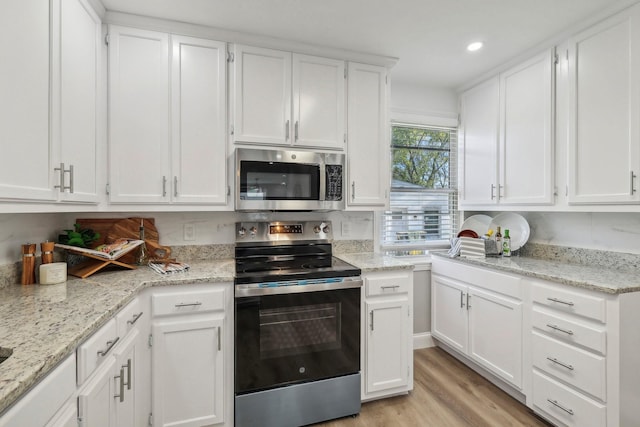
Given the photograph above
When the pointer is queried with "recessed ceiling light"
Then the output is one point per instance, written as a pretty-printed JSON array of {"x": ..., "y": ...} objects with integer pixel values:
[{"x": 474, "y": 46}]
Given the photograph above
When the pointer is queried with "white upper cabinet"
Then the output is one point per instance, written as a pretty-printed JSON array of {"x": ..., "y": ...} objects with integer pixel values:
[
  {"x": 526, "y": 132},
  {"x": 138, "y": 115},
  {"x": 604, "y": 112},
  {"x": 318, "y": 102},
  {"x": 48, "y": 100},
  {"x": 199, "y": 145},
  {"x": 75, "y": 112},
  {"x": 369, "y": 169},
  {"x": 478, "y": 158},
  {"x": 506, "y": 144},
  {"x": 282, "y": 98}
]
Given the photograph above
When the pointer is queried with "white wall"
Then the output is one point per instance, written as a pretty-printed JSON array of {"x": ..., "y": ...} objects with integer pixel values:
[
  {"x": 423, "y": 104},
  {"x": 211, "y": 227}
]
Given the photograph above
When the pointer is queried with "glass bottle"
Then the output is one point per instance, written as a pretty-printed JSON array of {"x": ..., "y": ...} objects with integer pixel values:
[
  {"x": 506, "y": 244},
  {"x": 499, "y": 240},
  {"x": 142, "y": 252}
]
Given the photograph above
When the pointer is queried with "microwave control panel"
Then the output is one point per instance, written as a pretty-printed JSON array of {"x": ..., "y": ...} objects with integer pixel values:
[{"x": 333, "y": 182}]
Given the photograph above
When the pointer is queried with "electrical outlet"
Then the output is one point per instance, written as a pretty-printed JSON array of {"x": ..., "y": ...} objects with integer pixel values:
[
  {"x": 189, "y": 232},
  {"x": 346, "y": 229}
]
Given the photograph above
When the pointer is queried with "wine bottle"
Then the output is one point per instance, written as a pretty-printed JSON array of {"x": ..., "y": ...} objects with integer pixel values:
[
  {"x": 506, "y": 244},
  {"x": 499, "y": 240}
]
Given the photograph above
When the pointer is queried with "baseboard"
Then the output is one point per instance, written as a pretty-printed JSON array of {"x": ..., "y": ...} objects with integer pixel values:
[{"x": 423, "y": 340}]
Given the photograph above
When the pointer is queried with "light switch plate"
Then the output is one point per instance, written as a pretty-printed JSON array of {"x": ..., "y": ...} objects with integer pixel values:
[{"x": 189, "y": 232}]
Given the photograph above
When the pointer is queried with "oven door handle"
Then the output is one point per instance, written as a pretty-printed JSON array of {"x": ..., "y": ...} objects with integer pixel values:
[{"x": 242, "y": 291}]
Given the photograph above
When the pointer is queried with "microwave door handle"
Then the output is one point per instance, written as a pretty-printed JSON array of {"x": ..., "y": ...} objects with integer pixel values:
[{"x": 322, "y": 196}]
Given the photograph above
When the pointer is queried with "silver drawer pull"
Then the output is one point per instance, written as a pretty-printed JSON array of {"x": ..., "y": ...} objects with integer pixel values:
[
  {"x": 121, "y": 376},
  {"x": 188, "y": 304},
  {"x": 394, "y": 287},
  {"x": 557, "y": 362},
  {"x": 135, "y": 318},
  {"x": 110, "y": 345},
  {"x": 128, "y": 366},
  {"x": 555, "y": 403},
  {"x": 560, "y": 301},
  {"x": 557, "y": 328}
]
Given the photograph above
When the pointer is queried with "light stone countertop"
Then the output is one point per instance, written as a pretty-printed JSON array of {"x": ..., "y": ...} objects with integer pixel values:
[
  {"x": 593, "y": 277},
  {"x": 43, "y": 324},
  {"x": 370, "y": 261}
]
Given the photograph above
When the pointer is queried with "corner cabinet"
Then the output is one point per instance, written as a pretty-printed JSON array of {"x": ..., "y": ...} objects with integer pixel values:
[
  {"x": 387, "y": 334},
  {"x": 148, "y": 164},
  {"x": 604, "y": 130},
  {"x": 284, "y": 98},
  {"x": 479, "y": 314},
  {"x": 48, "y": 115},
  {"x": 192, "y": 353},
  {"x": 506, "y": 143},
  {"x": 368, "y": 138}
]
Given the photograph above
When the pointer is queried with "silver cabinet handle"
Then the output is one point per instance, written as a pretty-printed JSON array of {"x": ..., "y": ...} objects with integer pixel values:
[
  {"x": 500, "y": 192},
  {"x": 188, "y": 304},
  {"x": 559, "y": 329},
  {"x": 110, "y": 345},
  {"x": 295, "y": 132},
  {"x": 121, "y": 394},
  {"x": 631, "y": 186},
  {"x": 353, "y": 190},
  {"x": 557, "y": 362},
  {"x": 569, "y": 303},
  {"x": 371, "y": 314},
  {"x": 134, "y": 319},
  {"x": 164, "y": 186},
  {"x": 286, "y": 130},
  {"x": 219, "y": 339},
  {"x": 60, "y": 171},
  {"x": 394, "y": 287},
  {"x": 128, "y": 366},
  {"x": 461, "y": 299},
  {"x": 175, "y": 186},
  {"x": 555, "y": 403},
  {"x": 493, "y": 191},
  {"x": 70, "y": 187},
  {"x": 468, "y": 300}
]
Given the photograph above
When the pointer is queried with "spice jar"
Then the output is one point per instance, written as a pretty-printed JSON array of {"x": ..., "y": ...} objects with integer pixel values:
[
  {"x": 28, "y": 264},
  {"x": 47, "y": 251}
]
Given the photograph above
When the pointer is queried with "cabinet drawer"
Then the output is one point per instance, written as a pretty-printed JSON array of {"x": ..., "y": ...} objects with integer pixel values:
[
  {"x": 570, "y": 364},
  {"x": 480, "y": 277},
  {"x": 569, "y": 301},
  {"x": 181, "y": 302},
  {"x": 569, "y": 330},
  {"x": 94, "y": 350},
  {"x": 387, "y": 283},
  {"x": 128, "y": 317},
  {"x": 566, "y": 405},
  {"x": 42, "y": 402}
]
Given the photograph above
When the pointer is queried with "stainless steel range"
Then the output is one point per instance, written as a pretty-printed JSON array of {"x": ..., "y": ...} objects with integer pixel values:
[{"x": 297, "y": 326}]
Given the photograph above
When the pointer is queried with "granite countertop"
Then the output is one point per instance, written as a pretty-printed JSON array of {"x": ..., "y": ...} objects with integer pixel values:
[
  {"x": 43, "y": 324},
  {"x": 593, "y": 277}
]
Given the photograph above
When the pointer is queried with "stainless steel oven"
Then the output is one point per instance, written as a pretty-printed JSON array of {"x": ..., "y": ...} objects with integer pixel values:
[
  {"x": 289, "y": 180},
  {"x": 297, "y": 327}
]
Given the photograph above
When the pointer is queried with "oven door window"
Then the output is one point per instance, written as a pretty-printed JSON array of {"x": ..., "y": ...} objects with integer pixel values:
[
  {"x": 285, "y": 339},
  {"x": 279, "y": 181}
]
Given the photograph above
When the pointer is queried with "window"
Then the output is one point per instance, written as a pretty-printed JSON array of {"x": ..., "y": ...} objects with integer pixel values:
[{"x": 423, "y": 202}]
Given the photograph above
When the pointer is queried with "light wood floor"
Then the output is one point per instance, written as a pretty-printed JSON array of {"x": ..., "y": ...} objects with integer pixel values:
[{"x": 446, "y": 393}]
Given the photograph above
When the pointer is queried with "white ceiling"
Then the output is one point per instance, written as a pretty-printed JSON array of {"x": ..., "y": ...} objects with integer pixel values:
[{"x": 428, "y": 36}]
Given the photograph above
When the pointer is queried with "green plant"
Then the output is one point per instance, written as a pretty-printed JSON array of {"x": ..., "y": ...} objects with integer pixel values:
[{"x": 81, "y": 237}]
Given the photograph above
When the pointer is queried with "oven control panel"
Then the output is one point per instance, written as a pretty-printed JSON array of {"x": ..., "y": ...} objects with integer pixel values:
[{"x": 283, "y": 231}]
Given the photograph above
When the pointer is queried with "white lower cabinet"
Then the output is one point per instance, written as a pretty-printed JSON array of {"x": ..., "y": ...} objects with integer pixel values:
[
  {"x": 479, "y": 314},
  {"x": 67, "y": 416},
  {"x": 96, "y": 400},
  {"x": 387, "y": 334},
  {"x": 192, "y": 350}
]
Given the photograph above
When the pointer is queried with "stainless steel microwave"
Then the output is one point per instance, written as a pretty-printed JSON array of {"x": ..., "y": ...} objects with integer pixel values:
[{"x": 283, "y": 180}]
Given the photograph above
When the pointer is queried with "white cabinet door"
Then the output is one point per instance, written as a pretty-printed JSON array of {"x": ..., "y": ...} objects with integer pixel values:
[
  {"x": 387, "y": 332},
  {"x": 188, "y": 371},
  {"x": 26, "y": 169},
  {"x": 368, "y": 135},
  {"x": 318, "y": 102},
  {"x": 126, "y": 376},
  {"x": 526, "y": 132},
  {"x": 604, "y": 106},
  {"x": 478, "y": 144},
  {"x": 495, "y": 333},
  {"x": 199, "y": 148},
  {"x": 75, "y": 110},
  {"x": 138, "y": 115},
  {"x": 67, "y": 416},
  {"x": 449, "y": 312},
  {"x": 262, "y": 96},
  {"x": 96, "y": 399}
]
